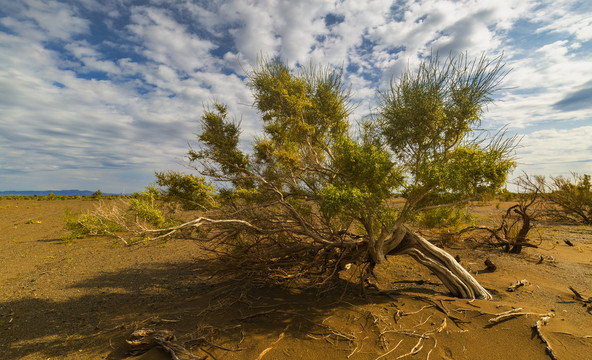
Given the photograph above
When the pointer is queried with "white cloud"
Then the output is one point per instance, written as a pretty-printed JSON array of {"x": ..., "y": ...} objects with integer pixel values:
[
  {"x": 45, "y": 20},
  {"x": 557, "y": 152},
  {"x": 165, "y": 41},
  {"x": 565, "y": 17}
]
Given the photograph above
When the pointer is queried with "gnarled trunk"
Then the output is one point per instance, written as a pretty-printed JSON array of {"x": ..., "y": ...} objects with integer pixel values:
[{"x": 447, "y": 269}]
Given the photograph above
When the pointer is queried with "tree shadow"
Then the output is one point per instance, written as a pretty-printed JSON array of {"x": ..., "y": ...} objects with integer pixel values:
[
  {"x": 102, "y": 311},
  {"x": 99, "y": 311}
]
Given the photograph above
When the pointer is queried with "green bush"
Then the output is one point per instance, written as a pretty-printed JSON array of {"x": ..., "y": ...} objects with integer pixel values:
[
  {"x": 574, "y": 196},
  {"x": 147, "y": 211},
  {"x": 192, "y": 192},
  {"x": 444, "y": 217},
  {"x": 146, "y": 206},
  {"x": 97, "y": 194},
  {"x": 83, "y": 225}
]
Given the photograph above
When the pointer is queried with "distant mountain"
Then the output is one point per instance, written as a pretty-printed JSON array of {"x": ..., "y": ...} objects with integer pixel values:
[{"x": 46, "y": 192}]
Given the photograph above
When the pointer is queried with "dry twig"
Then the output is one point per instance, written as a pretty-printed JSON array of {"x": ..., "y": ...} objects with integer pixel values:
[
  {"x": 517, "y": 284},
  {"x": 579, "y": 297},
  {"x": 142, "y": 340},
  {"x": 268, "y": 349},
  {"x": 514, "y": 313},
  {"x": 543, "y": 321}
]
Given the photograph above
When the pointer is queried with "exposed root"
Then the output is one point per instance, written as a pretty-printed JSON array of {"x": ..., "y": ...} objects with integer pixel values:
[
  {"x": 417, "y": 348},
  {"x": 514, "y": 313},
  {"x": 390, "y": 351},
  {"x": 142, "y": 340}
]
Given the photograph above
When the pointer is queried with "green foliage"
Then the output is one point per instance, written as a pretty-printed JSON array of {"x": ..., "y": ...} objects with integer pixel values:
[
  {"x": 220, "y": 137},
  {"x": 301, "y": 107},
  {"x": 430, "y": 112},
  {"x": 421, "y": 143},
  {"x": 97, "y": 194},
  {"x": 144, "y": 206},
  {"x": 314, "y": 177},
  {"x": 83, "y": 225},
  {"x": 366, "y": 178},
  {"x": 303, "y": 114},
  {"x": 444, "y": 217},
  {"x": 192, "y": 192},
  {"x": 428, "y": 120}
]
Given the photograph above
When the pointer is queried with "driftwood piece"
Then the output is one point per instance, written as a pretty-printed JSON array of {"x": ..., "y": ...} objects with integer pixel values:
[
  {"x": 491, "y": 267},
  {"x": 517, "y": 284}
]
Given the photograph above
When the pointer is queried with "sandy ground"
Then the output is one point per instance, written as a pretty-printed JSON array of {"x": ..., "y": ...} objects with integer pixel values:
[{"x": 82, "y": 300}]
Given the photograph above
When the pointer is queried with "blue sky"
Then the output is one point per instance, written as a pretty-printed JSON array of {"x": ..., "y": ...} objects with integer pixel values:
[{"x": 100, "y": 94}]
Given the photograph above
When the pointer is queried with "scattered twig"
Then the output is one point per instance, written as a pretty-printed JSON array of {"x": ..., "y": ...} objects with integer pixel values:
[
  {"x": 579, "y": 296},
  {"x": 390, "y": 351},
  {"x": 417, "y": 348},
  {"x": 268, "y": 349},
  {"x": 518, "y": 284},
  {"x": 514, "y": 313},
  {"x": 572, "y": 335},
  {"x": 323, "y": 326},
  {"x": 543, "y": 321},
  {"x": 142, "y": 340}
]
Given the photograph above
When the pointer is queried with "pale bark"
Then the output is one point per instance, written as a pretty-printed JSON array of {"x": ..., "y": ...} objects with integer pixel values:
[{"x": 456, "y": 279}]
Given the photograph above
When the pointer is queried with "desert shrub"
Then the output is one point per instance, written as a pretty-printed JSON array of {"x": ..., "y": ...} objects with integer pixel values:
[
  {"x": 449, "y": 217},
  {"x": 570, "y": 197},
  {"x": 519, "y": 219},
  {"x": 192, "y": 192},
  {"x": 83, "y": 225},
  {"x": 316, "y": 191},
  {"x": 573, "y": 196},
  {"x": 145, "y": 207}
]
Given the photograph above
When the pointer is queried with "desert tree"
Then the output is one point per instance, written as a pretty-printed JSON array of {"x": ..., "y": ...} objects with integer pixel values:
[
  {"x": 512, "y": 234},
  {"x": 316, "y": 190},
  {"x": 572, "y": 197}
]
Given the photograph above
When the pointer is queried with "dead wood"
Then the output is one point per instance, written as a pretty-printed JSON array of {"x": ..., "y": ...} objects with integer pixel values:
[
  {"x": 268, "y": 349},
  {"x": 577, "y": 296},
  {"x": 514, "y": 313},
  {"x": 491, "y": 267},
  {"x": 517, "y": 285},
  {"x": 142, "y": 340},
  {"x": 516, "y": 223},
  {"x": 543, "y": 321}
]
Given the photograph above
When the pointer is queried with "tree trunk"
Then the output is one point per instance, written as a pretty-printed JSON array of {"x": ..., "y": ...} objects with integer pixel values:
[{"x": 442, "y": 264}]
